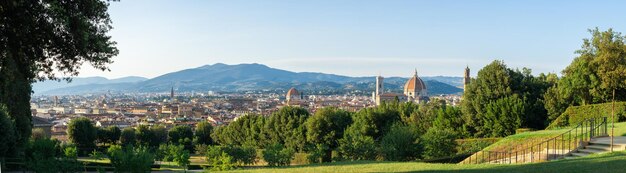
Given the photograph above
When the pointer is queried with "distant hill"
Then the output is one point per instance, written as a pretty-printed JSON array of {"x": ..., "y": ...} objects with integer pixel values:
[
  {"x": 87, "y": 82},
  {"x": 249, "y": 77}
]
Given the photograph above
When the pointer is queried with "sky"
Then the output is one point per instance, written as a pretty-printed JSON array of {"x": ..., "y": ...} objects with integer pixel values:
[{"x": 353, "y": 37}]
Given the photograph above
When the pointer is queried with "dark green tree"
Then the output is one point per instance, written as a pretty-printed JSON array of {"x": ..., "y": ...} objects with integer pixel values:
[
  {"x": 326, "y": 128},
  {"x": 439, "y": 143},
  {"x": 39, "y": 39},
  {"x": 286, "y": 126},
  {"x": 203, "y": 133},
  {"x": 401, "y": 143},
  {"x": 128, "y": 137},
  {"x": 7, "y": 131},
  {"x": 494, "y": 82},
  {"x": 181, "y": 135},
  {"x": 82, "y": 133}
]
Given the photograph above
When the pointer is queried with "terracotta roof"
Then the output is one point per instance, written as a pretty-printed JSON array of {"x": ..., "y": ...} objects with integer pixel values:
[
  {"x": 414, "y": 84},
  {"x": 293, "y": 92},
  {"x": 38, "y": 121}
]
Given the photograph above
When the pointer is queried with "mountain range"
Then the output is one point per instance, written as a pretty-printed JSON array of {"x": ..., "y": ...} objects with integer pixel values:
[{"x": 241, "y": 77}]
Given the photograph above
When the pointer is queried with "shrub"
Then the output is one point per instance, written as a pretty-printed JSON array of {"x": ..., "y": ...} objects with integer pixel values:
[
  {"x": 223, "y": 162},
  {"x": 245, "y": 155},
  {"x": 129, "y": 159},
  {"x": 278, "y": 155},
  {"x": 317, "y": 153},
  {"x": 45, "y": 155},
  {"x": 355, "y": 146},
  {"x": 201, "y": 149},
  {"x": 439, "y": 143},
  {"x": 574, "y": 115},
  {"x": 401, "y": 143}
]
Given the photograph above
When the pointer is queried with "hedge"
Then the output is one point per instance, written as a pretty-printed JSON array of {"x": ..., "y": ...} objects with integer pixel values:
[{"x": 576, "y": 114}]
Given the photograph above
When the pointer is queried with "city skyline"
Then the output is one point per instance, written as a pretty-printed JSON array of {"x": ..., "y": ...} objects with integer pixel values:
[{"x": 352, "y": 38}]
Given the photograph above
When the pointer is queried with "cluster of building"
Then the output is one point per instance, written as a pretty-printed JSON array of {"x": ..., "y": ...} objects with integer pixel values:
[{"x": 53, "y": 113}]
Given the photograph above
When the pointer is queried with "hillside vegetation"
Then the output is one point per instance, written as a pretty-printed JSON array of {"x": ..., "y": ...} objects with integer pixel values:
[
  {"x": 612, "y": 162},
  {"x": 573, "y": 115}
]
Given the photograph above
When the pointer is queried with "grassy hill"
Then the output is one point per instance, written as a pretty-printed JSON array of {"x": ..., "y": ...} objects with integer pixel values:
[{"x": 613, "y": 162}]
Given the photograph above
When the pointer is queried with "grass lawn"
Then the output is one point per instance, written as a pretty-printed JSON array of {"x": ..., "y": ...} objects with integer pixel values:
[{"x": 612, "y": 162}]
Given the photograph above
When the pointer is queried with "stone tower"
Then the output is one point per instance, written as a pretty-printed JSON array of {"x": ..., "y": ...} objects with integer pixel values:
[
  {"x": 466, "y": 78},
  {"x": 379, "y": 85}
]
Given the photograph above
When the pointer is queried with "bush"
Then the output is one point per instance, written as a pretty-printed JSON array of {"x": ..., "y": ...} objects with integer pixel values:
[
  {"x": 278, "y": 155},
  {"x": 355, "y": 146},
  {"x": 401, "y": 143},
  {"x": 45, "y": 155},
  {"x": 439, "y": 143},
  {"x": 129, "y": 159},
  {"x": 574, "y": 115},
  {"x": 239, "y": 155},
  {"x": 223, "y": 162},
  {"x": 317, "y": 153},
  {"x": 201, "y": 149}
]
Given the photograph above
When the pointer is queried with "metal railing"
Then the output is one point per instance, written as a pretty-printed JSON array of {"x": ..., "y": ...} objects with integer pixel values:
[{"x": 556, "y": 147}]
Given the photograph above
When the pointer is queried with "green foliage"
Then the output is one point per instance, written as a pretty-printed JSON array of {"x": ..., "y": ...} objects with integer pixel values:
[
  {"x": 439, "y": 143},
  {"x": 201, "y": 149},
  {"x": 239, "y": 155},
  {"x": 278, "y": 155},
  {"x": 203, "y": 133},
  {"x": 128, "y": 136},
  {"x": 82, "y": 133},
  {"x": 45, "y": 155},
  {"x": 70, "y": 152},
  {"x": 326, "y": 128},
  {"x": 43, "y": 38},
  {"x": 182, "y": 159},
  {"x": 223, "y": 162},
  {"x": 181, "y": 135},
  {"x": 375, "y": 122},
  {"x": 574, "y": 115},
  {"x": 317, "y": 154},
  {"x": 449, "y": 117},
  {"x": 401, "y": 143},
  {"x": 286, "y": 126},
  {"x": 7, "y": 131},
  {"x": 130, "y": 159},
  {"x": 593, "y": 75},
  {"x": 168, "y": 152},
  {"x": 356, "y": 146},
  {"x": 108, "y": 135},
  {"x": 423, "y": 118},
  {"x": 503, "y": 116},
  {"x": 499, "y": 89},
  {"x": 246, "y": 130}
]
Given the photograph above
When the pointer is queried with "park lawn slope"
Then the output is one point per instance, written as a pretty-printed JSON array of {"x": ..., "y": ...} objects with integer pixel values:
[{"x": 610, "y": 162}]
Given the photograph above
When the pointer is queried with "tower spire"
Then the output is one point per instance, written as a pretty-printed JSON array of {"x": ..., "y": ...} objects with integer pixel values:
[{"x": 415, "y": 71}]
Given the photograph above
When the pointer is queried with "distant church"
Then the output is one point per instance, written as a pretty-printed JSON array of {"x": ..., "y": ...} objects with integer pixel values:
[
  {"x": 294, "y": 98},
  {"x": 414, "y": 91}
]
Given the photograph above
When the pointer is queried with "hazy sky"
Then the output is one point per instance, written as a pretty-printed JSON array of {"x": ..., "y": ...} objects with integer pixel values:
[{"x": 353, "y": 37}]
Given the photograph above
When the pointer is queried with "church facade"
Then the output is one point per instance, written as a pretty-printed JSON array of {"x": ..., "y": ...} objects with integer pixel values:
[{"x": 414, "y": 91}]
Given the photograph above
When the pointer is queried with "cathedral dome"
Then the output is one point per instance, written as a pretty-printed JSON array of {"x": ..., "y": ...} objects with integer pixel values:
[
  {"x": 414, "y": 84},
  {"x": 293, "y": 93}
]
